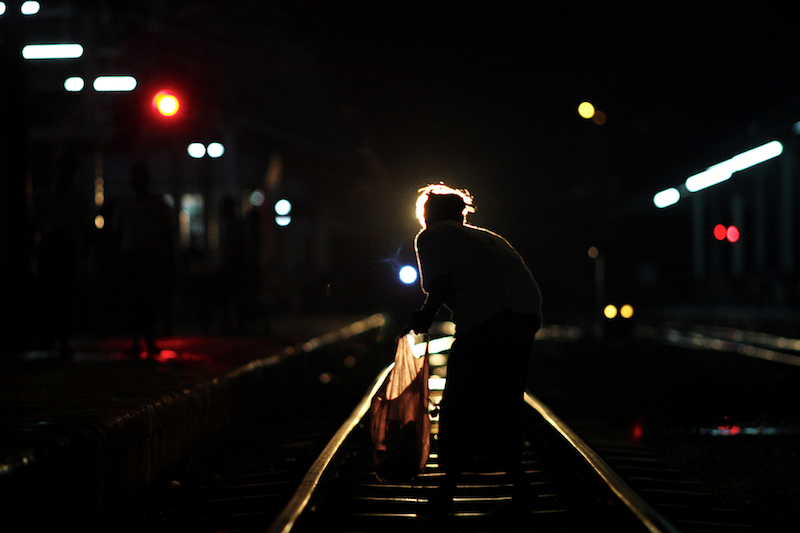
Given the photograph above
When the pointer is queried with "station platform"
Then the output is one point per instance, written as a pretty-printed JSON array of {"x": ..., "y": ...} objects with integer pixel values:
[{"x": 83, "y": 433}]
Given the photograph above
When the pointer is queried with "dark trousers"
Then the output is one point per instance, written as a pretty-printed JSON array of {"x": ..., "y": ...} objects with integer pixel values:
[{"x": 487, "y": 370}]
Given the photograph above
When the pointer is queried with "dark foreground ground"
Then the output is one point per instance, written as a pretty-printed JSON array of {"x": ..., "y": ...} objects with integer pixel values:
[{"x": 727, "y": 420}]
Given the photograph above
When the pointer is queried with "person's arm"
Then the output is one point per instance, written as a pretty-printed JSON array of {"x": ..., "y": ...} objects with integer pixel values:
[{"x": 439, "y": 291}]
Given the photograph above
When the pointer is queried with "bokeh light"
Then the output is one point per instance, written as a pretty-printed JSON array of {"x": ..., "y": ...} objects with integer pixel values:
[
  {"x": 626, "y": 311},
  {"x": 215, "y": 150},
  {"x": 732, "y": 234},
  {"x": 74, "y": 84},
  {"x": 196, "y": 150},
  {"x": 408, "y": 274},
  {"x": 166, "y": 103},
  {"x": 283, "y": 207},
  {"x": 586, "y": 110}
]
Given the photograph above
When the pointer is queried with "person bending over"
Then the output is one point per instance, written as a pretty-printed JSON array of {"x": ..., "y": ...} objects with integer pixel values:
[{"x": 496, "y": 306}]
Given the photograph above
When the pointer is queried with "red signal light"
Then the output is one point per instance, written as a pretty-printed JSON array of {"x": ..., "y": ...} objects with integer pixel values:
[
  {"x": 166, "y": 103},
  {"x": 730, "y": 233}
]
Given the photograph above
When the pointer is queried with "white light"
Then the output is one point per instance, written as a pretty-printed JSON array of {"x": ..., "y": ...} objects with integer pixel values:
[
  {"x": 2, "y": 8},
  {"x": 711, "y": 176},
  {"x": 196, "y": 150},
  {"x": 436, "y": 383},
  {"x": 215, "y": 149},
  {"x": 666, "y": 198},
  {"x": 114, "y": 83},
  {"x": 757, "y": 155},
  {"x": 29, "y": 8},
  {"x": 74, "y": 84},
  {"x": 723, "y": 171},
  {"x": 257, "y": 198},
  {"x": 283, "y": 207},
  {"x": 438, "y": 345},
  {"x": 408, "y": 274},
  {"x": 52, "y": 51},
  {"x": 283, "y": 220}
]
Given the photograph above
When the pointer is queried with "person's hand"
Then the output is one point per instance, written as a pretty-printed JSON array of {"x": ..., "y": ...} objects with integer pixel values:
[{"x": 420, "y": 322}]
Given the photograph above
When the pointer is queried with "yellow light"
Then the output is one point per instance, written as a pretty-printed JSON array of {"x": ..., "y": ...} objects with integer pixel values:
[
  {"x": 610, "y": 311},
  {"x": 586, "y": 110},
  {"x": 99, "y": 222},
  {"x": 626, "y": 311}
]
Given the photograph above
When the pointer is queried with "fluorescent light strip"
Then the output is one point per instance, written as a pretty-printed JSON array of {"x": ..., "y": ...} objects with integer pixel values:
[
  {"x": 52, "y": 51},
  {"x": 720, "y": 172},
  {"x": 29, "y": 8},
  {"x": 74, "y": 84},
  {"x": 114, "y": 83},
  {"x": 666, "y": 198}
]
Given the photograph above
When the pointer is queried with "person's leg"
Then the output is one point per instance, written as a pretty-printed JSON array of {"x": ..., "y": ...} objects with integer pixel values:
[
  {"x": 518, "y": 332},
  {"x": 456, "y": 436}
]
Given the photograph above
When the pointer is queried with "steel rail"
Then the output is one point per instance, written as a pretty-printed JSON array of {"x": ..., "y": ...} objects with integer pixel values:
[
  {"x": 651, "y": 518},
  {"x": 302, "y": 496}
]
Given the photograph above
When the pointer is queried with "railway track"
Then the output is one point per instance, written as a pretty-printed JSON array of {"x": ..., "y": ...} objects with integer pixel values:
[
  {"x": 618, "y": 485},
  {"x": 280, "y": 472}
]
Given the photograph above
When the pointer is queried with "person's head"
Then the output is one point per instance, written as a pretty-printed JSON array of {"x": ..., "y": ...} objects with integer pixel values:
[{"x": 440, "y": 202}]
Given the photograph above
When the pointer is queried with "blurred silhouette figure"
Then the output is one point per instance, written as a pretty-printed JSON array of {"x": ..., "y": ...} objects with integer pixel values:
[
  {"x": 62, "y": 224},
  {"x": 496, "y": 306},
  {"x": 232, "y": 272},
  {"x": 146, "y": 229}
]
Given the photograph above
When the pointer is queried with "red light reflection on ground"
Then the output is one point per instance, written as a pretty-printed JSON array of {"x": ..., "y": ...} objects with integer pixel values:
[
  {"x": 171, "y": 356},
  {"x": 637, "y": 432},
  {"x": 729, "y": 429}
]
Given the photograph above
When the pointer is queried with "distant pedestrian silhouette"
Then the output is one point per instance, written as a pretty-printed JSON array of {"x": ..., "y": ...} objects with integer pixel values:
[
  {"x": 62, "y": 224},
  {"x": 496, "y": 306},
  {"x": 146, "y": 230},
  {"x": 232, "y": 282}
]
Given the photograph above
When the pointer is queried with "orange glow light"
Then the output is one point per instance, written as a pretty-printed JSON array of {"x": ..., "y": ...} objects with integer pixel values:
[{"x": 626, "y": 311}]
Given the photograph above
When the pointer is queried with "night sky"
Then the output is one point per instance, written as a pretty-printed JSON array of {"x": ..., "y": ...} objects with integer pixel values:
[
  {"x": 485, "y": 98},
  {"x": 463, "y": 90}
]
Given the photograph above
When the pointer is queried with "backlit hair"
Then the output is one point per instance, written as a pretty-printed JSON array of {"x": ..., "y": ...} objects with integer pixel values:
[{"x": 441, "y": 189}]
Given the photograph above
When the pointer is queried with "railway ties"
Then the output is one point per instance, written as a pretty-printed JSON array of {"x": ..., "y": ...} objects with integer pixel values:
[
  {"x": 569, "y": 488},
  {"x": 579, "y": 478}
]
